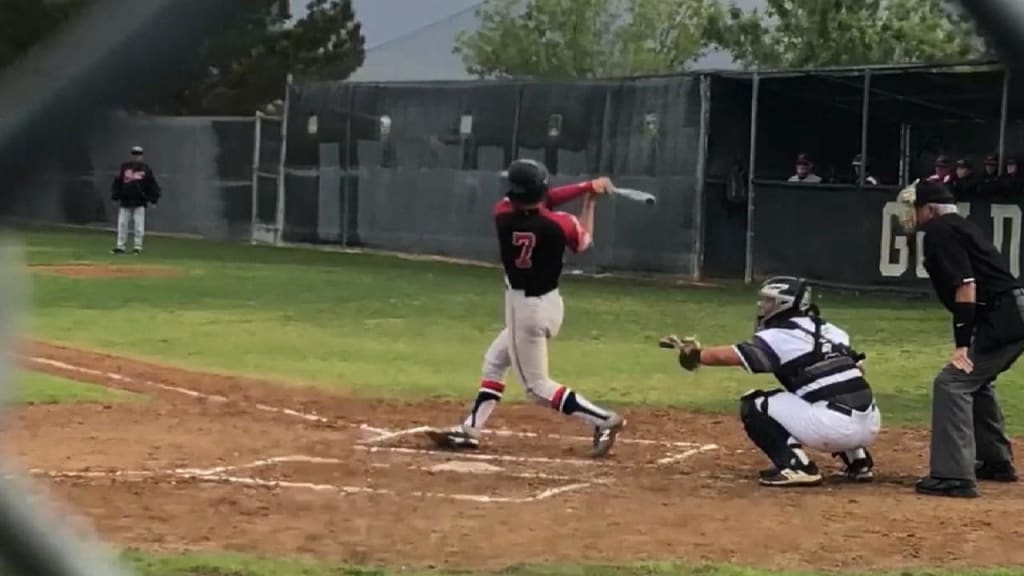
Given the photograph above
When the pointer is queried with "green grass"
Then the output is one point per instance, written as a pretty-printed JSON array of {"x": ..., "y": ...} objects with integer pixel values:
[
  {"x": 37, "y": 388},
  {"x": 382, "y": 326},
  {"x": 237, "y": 565}
]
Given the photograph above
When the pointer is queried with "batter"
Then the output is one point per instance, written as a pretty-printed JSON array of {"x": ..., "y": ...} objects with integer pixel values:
[{"x": 533, "y": 239}]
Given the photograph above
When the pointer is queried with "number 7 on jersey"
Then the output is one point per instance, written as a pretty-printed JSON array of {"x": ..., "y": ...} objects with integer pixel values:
[{"x": 525, "y": 241}]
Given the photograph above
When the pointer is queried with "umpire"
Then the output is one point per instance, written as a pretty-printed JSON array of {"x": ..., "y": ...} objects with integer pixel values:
[{"x": 968, "y": 441}]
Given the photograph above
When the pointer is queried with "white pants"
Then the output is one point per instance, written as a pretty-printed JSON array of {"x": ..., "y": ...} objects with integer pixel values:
[
  {"x": 125, "y": 218},
  {"x": 820, "y": 428},
  {"x": 523, "y": 344}
]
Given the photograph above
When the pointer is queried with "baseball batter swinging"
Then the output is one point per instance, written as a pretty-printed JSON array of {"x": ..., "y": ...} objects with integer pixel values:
[
  {"x": 825, "y": 403},
  {"x": 533, "y": 238}
]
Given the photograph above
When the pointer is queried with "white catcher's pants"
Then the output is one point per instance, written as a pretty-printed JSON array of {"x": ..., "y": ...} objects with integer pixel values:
[
  {"x": 820, "y": 428},
  {"x": 125, "y": 218}
]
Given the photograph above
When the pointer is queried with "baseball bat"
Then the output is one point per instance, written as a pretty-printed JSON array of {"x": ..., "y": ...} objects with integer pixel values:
[{"x": 635, "y": 195}]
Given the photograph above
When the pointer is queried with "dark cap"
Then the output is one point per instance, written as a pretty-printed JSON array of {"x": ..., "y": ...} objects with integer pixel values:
[
  {"x": 137, "y": 150},
  {"x": 1011, "y": 160},
  {"x": 932, "y": 193},
  {"x": 963, "y": 163},
  {"x": 803, "y": 160},
  {"x": 992, "y": 160},
  {"x": 942, "y": 162}
]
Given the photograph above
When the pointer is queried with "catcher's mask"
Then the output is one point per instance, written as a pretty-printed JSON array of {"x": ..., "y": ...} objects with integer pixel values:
[
  {"x": 921, "y": 194},
  {"x": 782, "y": 297},
  {"x": 527, "y": 181}
]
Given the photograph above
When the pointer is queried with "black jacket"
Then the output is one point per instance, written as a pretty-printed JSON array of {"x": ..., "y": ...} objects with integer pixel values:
[{"x": 135, "y": 185}]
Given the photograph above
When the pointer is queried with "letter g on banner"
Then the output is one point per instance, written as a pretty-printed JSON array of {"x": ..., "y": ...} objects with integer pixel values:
[
  {"x": 891, "y": 213},
  {"x": 894, "y": 240}
]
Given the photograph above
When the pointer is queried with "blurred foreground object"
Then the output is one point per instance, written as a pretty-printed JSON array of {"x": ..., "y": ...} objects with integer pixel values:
[
  {"x": 1002, "y": 22},
  {"x": 116, "y": 52}
]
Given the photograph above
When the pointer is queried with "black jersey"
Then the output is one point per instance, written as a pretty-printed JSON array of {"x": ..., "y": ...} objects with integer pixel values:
[{"x": 533, "y": 243}]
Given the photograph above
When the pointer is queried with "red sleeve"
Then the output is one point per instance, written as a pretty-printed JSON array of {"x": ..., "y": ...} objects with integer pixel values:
[
  {"x": 576, "y": 237},
  {"x": 502, "y": 207},
  {"x": 564, "y": 194}
]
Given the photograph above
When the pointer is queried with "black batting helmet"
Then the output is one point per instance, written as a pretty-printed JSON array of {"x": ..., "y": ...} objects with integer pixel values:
[{"x": 527, "y": 181}]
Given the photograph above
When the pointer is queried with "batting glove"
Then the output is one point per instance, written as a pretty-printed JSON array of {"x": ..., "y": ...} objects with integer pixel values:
[{"x": 601, "y": 185}]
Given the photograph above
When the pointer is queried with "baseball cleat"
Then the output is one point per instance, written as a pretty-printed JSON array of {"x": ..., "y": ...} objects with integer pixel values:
[
  {"x": 996, "y": 472},
  {"x": 807, "y": 476},
  {"x": 454, "y": 438},
  {"x": 117, "y": 251},
  {"x": 604, "y": 436},
  {"x": 950, "y": 487},
  {"x": 857, "y": 469}
]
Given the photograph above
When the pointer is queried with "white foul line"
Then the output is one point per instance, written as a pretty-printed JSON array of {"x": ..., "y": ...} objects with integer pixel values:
[{"x": 177, "y": 389}]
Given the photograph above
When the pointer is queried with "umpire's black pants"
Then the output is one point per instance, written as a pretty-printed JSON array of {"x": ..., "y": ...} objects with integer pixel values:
[{"x": 967, "y": 423}]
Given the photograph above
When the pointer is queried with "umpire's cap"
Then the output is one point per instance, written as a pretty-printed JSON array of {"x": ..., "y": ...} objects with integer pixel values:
[
  {"x": 527, "y": 181},
  {"x": 926, "y": 192}
]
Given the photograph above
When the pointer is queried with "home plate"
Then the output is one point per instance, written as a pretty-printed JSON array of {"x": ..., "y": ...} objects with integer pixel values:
[{"x": 466, "y": 467}]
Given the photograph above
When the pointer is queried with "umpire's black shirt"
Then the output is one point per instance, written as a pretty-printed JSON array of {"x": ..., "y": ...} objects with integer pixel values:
[{"x": 956, "y": 253}]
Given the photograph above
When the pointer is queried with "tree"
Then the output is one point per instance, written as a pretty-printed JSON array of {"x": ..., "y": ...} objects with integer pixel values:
[
  {"x": 584, "y": 38},
  {"x": 244, "y": 68},
  {"x": 816, "y": 33},
  {"x": 23, "y": 23}
]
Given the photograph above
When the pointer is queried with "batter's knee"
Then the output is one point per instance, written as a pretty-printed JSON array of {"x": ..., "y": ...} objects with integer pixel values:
[{"x": 541, "y": 391}]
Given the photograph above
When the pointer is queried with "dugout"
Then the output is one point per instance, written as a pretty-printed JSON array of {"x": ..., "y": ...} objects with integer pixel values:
[{"x": 900, "y": 117}]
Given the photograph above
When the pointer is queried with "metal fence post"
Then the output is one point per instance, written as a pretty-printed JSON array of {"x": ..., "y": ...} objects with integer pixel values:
[
  {"x": 748, "y": 274},
  {"x": 256, "y": 148},
  {"x": 701, "y": 176},
  {"x": 279, "y": 218},
  {"x": 1003, "y": 113},
  {"x": 865, "y": 112}
]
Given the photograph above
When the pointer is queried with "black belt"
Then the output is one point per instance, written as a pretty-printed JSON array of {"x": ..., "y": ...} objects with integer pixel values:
[{"x": 846, "y": 410}]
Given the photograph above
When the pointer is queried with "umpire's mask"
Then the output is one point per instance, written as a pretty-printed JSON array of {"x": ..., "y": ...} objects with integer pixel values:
[
  {"x": 907, "y": 199},
  {"x": 782, "y": 297}
]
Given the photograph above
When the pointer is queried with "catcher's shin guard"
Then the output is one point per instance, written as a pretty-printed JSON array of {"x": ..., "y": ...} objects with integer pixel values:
[{"x": 767, "y": 434}]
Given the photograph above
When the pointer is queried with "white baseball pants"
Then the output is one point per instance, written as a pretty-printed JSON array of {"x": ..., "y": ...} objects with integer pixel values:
[
  {"x": 125, "y": 218},
  {"x": 821, "y": 428}
]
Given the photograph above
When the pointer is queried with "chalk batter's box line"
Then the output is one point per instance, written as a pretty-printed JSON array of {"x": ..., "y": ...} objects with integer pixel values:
[
  {"x": 381, "y": 434},
  {"x": 218, "y": 475},
  {"x": 516, "y": 434}
]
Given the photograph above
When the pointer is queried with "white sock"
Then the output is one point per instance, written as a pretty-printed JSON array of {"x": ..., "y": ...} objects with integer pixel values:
[{"x": 486, "y": 401}]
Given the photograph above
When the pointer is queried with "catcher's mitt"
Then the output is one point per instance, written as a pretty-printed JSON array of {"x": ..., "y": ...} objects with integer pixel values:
[{"x": 689, "y": 350}]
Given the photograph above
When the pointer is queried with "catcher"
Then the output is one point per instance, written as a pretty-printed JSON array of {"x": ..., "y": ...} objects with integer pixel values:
[{"x": 824, "y": 403}]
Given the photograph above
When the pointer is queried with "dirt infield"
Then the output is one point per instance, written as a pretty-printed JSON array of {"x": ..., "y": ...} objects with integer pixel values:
[
  {"x": 223, "y": 463},
  {"x": 93, "y": 270}
]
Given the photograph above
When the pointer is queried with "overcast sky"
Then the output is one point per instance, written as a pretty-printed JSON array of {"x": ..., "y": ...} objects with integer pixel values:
[{"x": 385, "y": 20}]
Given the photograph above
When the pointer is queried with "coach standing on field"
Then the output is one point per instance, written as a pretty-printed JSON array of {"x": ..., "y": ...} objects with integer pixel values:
[
  {"x": 133, "y": 188},
  {"x": 968, "y": 441}
]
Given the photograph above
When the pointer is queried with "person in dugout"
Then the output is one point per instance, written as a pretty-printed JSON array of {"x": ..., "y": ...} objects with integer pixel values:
[
  {"x": 966, "y": 182},
  {"x": 989, "y": 182},
  {"x": 1011, "y": 182},
  {"x": 943, "y": 172},
  {"x": 858, "y": 166}
]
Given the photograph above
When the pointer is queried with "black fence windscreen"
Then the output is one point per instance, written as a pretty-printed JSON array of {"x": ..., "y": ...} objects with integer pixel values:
[
  {"x": 203, "y": 165},
  {"x": 416, "y": 167}
]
